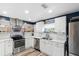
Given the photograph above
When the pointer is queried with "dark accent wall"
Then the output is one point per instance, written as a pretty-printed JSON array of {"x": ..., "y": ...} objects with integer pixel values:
[
  {"x": 29, "y": 22},
  {"x": 6, "y": 18},
  {"x": 69, "y": 16}
]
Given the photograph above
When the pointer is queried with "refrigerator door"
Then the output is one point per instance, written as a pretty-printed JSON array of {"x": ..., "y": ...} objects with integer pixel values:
[{"x": 74, "y": 38}]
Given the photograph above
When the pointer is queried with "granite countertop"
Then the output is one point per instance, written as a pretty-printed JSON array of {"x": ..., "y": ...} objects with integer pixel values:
[
  {"x": 60, "y": 41},
  {"x": 1, "y": 40},
  {"x": 33, "y": 37}
]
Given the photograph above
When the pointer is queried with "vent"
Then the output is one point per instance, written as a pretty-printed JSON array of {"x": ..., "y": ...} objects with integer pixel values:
[{"x": 44, "y": 6}]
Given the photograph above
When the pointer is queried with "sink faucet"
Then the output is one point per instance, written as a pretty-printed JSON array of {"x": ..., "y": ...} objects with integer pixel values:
[{"x": 48, "y": 36}]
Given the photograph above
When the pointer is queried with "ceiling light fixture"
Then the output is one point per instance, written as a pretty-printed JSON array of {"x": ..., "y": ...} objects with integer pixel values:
[
  {"x": 30, "y": 19},
  {"x": 44, "y": 6},
  {"x": 4, "y": 12},
  {"x": 26, "y": 11},
  {"x": 49, "y": 11}
]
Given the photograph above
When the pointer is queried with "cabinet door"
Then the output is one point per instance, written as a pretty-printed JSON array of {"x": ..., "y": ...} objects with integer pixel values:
[
  {"x": 50, "y": 48},
  {"x": 2, "y": 49},
  {"x": 60, "y": 24},
  {"x": 32, "y": 42},
  {"x": 58, "y": 49},
  {"x": 27, "y": 43},
  {"x": 46, "y": 47},
  {"x": 8, "y": 47},
  {"x": 42, "y": 45},
  {"x": 38, "y": 27}
]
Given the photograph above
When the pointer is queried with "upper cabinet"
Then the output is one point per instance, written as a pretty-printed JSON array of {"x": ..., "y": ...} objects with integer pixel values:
[
  {"x": 60, "y": 24},
  {"x": 52, "y": 25},
  {"x": 39, "y": 26},
  {"x": 50, "y": 21}
]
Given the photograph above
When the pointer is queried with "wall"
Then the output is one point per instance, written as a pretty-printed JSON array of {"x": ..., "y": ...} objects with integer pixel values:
[
  {"x": 28, "y": 27},
  {"x": 4, "y": 25}
]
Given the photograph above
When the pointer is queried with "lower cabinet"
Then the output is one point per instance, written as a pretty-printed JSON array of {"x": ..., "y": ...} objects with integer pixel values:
[
  {"x": 46, "y": 47},
  {"x": 2, "y": 53},
  {"x": 58, "y": 49},
  {"x": 29, "y": 43},
  {"x": 6, "y": 47},
  {"x": 52, "y": 48}
]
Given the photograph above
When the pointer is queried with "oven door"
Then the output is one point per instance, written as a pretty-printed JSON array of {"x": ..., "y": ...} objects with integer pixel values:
[{"x": 19, "y": 43}]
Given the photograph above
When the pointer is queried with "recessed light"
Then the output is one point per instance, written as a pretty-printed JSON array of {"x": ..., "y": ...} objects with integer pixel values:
[
  {"x": 26, "y": 11},
  {"x": 4, "y": 12},
  {"x": 49, "y": 11},
  {"x": 30, "y": 19}
]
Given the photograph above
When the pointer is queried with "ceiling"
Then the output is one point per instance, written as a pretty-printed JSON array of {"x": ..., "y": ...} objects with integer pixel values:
[{"x": 35, "y": 11}]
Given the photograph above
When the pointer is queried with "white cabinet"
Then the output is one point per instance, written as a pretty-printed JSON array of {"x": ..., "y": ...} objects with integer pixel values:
[
  {"x": 39, "y": 26},
  {"x": 46, "y": 47},
  {"x": 6, "y": 47},
  {"x": 42, "y": 45},
  {"x": 29, "y": 42},
  {"x": 52, "y": 48},
  {"x": 58, "y": 49},
  {"x": 2, "y": 48},
  {"x": 32, "y": 42},
  {"x": 60, "y": 24}
]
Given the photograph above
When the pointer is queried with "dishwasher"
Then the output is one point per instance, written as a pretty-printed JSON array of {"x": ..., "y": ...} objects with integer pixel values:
[{"x": 37, "y": 44}]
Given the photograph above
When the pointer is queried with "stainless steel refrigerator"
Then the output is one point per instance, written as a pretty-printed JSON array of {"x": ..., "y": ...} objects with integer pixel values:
[{"x": 74, "y": 38}]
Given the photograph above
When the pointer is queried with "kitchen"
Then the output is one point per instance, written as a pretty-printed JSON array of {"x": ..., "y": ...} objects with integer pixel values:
[{"x": 38, "y": 32}]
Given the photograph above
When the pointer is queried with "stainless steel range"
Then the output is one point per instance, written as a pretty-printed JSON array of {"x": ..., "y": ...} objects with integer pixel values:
[{"x": 18, "y": 38}]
